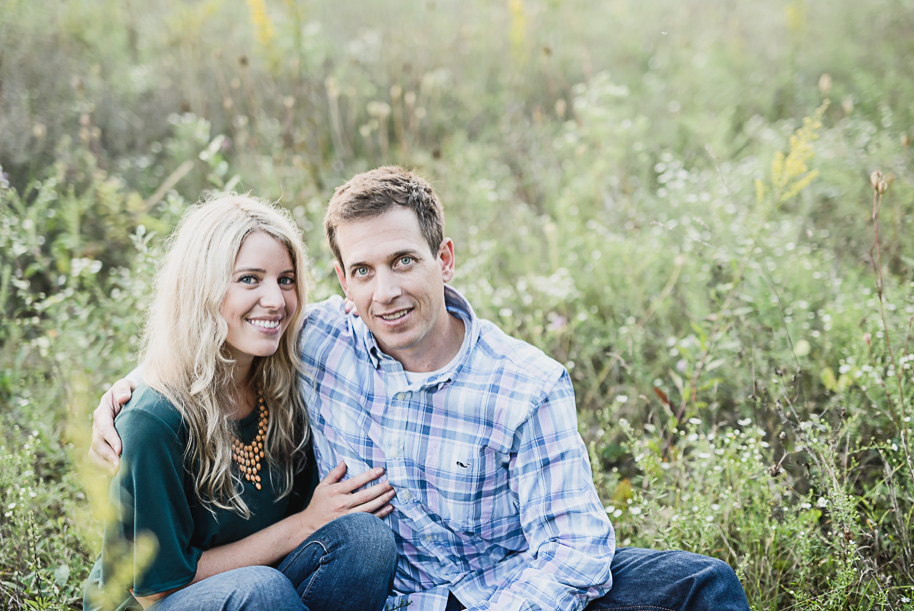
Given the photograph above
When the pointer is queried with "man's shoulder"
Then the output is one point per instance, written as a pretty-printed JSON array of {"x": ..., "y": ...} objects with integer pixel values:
[
  {"x": 325, "y": 320},
  {"x": 517, "y": 356},
  {"x": 331, "y": 309}
]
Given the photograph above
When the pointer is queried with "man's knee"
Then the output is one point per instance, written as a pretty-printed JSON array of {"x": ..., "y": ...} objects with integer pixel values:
[
  {"x": 719, "y": 585},
  {"x": 717, "y": 571}
]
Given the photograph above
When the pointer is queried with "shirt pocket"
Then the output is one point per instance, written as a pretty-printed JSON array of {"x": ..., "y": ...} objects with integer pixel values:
[{"x": 465, "y": 485}]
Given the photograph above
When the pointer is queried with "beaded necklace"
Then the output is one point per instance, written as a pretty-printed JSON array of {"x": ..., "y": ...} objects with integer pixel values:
[{"x": 249, "y": 456}]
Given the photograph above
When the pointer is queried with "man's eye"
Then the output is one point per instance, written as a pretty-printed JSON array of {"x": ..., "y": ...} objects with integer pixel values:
[
  {"x": 363, "y": 271},
  {"x": 405, "y": 261}
]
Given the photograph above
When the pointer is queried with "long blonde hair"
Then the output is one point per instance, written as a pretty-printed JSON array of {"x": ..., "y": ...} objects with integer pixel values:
[{"x": 183, "y": 351}]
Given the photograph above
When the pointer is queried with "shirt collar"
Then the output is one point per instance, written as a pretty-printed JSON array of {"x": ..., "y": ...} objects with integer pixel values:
[{"x": 456, "y": 305}]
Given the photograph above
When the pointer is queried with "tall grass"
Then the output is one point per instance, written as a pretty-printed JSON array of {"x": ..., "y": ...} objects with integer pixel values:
[{"x": 655, "y": 193}]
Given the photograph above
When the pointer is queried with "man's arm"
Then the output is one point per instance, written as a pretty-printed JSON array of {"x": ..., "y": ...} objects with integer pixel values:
[
  {"x": 570, "y": 537},
  {"x": 106, "y": 444}
]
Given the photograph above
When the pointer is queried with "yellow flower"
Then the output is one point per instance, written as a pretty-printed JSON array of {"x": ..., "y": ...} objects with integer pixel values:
[{"x": 263, "y": 25}]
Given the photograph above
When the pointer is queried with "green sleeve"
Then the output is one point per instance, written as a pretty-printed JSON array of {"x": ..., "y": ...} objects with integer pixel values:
[{"x": 150, "y": 488}]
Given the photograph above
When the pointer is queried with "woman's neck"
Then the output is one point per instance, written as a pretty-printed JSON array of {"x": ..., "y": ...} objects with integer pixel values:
[{"x": 244, "y": 397}]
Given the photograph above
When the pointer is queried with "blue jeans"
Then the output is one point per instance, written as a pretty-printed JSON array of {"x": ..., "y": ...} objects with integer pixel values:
[
  {"x": 670, "y": 580},
  {"x": 348, "y": 564}
]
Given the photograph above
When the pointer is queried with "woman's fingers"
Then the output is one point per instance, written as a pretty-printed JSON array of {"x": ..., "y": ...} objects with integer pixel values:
[
  {"x": 371, "y": 493},
  {"x": 383, "y": 511},
  {"x": 361, "y": 480},
  {"x": 376, "y": 503},
  {"x": 335, "y": 474}
]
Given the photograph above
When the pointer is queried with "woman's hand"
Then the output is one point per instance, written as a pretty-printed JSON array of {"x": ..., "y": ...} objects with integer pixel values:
[{"x": 332, "y": 498}]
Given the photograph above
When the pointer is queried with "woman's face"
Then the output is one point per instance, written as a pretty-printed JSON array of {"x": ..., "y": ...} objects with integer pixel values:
[{"x": 261, "y": 298}]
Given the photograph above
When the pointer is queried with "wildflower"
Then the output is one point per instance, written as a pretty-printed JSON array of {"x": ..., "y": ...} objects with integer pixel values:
[
  {"x": 263, "y": 25},
  {"x": 822, "y": 502}
]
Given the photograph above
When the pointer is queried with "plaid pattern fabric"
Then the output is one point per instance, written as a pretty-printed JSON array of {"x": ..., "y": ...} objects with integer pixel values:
[{"x": 495, "y": 497}]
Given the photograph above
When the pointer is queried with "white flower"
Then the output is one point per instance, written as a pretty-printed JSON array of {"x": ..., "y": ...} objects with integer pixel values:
[{"x": 822, "y": 502}]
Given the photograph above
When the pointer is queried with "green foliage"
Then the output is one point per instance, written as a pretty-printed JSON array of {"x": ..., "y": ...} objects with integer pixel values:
[{"x": 655, "y": 193}]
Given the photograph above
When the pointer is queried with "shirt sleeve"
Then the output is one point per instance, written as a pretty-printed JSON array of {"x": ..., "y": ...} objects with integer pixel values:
[
  {"x": 571, "y": 539},
  {"x": 149, "y": 496}
]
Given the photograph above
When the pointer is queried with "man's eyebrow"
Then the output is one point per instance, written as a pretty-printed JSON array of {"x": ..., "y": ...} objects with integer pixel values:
[
  {"x": 404, "y": 253},
  {"x": 392, "y": 257}
]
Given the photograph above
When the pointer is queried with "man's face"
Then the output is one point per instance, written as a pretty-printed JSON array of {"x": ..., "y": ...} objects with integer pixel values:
[{"x": 397, "y": 282}]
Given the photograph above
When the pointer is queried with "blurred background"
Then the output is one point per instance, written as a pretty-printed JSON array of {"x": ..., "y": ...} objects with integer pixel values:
[{"x": 701, "y": 209}]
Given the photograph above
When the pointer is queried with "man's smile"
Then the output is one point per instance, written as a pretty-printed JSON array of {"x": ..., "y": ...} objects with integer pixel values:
[{"x": 396, "y": 315}]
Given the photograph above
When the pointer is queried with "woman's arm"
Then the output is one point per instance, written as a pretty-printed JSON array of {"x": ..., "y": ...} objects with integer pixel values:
[{"x": 331, "y": 500}]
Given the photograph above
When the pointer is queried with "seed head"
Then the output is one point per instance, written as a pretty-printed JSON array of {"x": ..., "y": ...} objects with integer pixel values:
[{"x": 875, "y": 179}]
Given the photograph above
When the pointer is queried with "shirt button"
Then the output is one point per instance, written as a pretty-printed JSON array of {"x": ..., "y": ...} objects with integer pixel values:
[{"x": 404, "y": 494}]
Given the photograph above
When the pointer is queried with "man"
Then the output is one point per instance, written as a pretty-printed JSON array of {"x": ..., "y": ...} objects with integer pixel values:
[{"x": 495, "y": 504}]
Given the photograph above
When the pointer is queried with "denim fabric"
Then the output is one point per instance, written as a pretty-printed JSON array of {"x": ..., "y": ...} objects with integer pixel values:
[
  {"x": 247, "y": 588},
  {"x": 348, "y": 564},
  {"x": 670, "y": 580}
]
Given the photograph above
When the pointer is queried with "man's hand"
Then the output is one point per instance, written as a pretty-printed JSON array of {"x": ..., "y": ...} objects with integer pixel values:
[
  {"x": 332, "y": 498},
  {"x": 349, "y": 305},
  {"x": 106, "y": 444}
]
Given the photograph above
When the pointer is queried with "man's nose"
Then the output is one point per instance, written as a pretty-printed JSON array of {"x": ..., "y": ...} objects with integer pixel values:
[{"x": 387, "y": 287}]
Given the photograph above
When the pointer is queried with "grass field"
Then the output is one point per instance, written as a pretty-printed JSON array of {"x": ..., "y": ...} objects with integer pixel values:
[{"x": 702, "y": 209}]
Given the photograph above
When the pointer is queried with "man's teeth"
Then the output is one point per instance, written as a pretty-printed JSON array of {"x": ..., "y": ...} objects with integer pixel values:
[
  {"x": 264, "y": 324},
  {"x": 394, "y": 315}
]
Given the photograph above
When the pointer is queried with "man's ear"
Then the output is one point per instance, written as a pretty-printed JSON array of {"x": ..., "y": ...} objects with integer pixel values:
[
  {"x": 446, "y": 259},
  {"x": 342, "y": 278}
]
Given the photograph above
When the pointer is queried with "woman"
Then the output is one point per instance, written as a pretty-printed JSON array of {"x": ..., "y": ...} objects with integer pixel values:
[{"x": 216, "y": 465}]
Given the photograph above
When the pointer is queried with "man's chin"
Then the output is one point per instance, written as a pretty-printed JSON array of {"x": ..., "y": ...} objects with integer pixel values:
[{"x": 394, "y": 343}]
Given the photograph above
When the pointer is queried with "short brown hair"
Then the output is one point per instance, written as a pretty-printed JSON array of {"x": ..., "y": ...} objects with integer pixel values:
[{"x": 371, "y": 194}]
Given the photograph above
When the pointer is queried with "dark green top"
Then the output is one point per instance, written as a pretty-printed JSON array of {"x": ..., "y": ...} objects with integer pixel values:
[{"x": 157, "y": 495}]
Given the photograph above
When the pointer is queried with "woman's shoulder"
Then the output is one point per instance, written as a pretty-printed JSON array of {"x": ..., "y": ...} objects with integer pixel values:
[{"x": 150, "y": 409}]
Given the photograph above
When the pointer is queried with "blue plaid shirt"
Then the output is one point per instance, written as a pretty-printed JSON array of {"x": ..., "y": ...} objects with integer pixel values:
[{"x": 495, "y": 497}]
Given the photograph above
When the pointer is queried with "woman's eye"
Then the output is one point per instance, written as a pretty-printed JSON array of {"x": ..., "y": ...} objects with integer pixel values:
[
  {"x": 287, "y": 281},
  {"x": 248, "y": 279}
]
